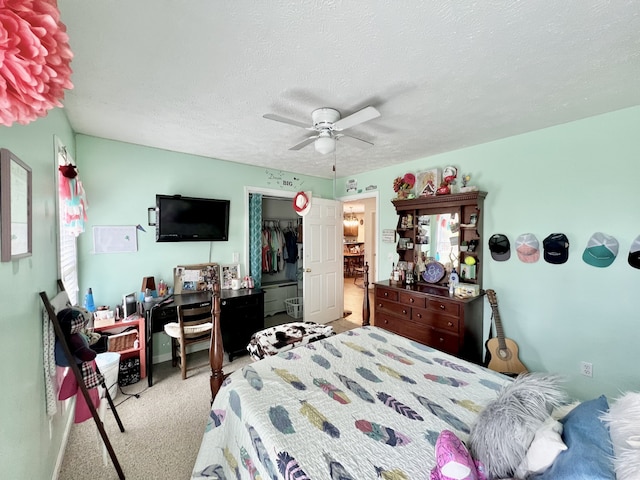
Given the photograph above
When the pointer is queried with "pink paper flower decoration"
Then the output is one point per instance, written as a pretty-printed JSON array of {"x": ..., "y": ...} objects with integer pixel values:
[{"x": 34, "y": 60}]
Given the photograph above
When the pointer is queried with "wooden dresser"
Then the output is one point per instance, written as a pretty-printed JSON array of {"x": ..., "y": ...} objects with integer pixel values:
[{"x": 429, "y": 315}]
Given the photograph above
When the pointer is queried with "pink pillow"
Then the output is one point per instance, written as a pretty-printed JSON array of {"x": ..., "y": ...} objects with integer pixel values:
[{"x": 453, "y": 461}]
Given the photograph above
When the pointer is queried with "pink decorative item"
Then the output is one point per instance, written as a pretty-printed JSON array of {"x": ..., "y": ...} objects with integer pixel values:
[
  {"x": 453, "y": 461},
  {"x": 34, "y": 60}
]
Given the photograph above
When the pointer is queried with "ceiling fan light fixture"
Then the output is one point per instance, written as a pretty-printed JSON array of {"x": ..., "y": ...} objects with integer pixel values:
[{"x": 325, "y": 144}]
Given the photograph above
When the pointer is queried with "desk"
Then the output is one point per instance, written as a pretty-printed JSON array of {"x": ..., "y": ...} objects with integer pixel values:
[{"x": 241, "y": 315}]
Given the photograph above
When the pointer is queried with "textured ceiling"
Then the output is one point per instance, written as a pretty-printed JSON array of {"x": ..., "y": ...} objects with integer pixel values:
[{"x": 196, "y": 76}]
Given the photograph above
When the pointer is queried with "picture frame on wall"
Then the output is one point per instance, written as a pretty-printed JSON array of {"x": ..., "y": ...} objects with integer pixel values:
[
  {"x": 428, "y": 181},
  {"x": 228, "y": 273},
  {"x": 15, "y": 207}
]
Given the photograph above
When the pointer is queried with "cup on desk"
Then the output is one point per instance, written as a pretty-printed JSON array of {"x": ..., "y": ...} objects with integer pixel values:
[{"x": 235, "y": 284}]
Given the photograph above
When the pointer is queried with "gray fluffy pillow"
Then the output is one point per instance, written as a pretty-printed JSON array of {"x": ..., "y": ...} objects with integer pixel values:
[{"x": 504, "y": 430}]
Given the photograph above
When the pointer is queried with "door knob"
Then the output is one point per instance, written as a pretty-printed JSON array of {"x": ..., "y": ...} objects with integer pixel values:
[{"x": 307, "y": 269}]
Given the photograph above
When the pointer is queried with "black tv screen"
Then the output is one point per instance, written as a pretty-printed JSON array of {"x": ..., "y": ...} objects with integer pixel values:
[{"x": 189, "y": 219}]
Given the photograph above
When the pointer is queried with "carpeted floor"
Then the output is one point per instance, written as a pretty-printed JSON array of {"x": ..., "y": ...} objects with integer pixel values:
[{"x": 163, "y": 425}]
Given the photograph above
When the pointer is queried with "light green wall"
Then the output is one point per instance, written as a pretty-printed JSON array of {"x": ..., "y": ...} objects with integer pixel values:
[
  {"x": 29, "y": 442},
  {"x": 122, "y": 180},
  {"x": 576, "y": 178}
]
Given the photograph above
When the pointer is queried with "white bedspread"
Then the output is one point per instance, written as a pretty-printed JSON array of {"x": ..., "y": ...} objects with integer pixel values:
[{"x": 362, "y": 404}]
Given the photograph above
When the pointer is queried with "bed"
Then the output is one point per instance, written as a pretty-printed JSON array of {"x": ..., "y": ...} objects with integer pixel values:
[{"x": 368, "y": 403}]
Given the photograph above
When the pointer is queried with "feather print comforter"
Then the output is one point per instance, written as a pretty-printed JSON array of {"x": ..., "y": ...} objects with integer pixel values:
[{"x": 364, "y": 404}]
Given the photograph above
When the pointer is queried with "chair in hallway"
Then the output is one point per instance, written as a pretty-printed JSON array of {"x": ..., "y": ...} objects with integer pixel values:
[{"x": 194, "y": 326}]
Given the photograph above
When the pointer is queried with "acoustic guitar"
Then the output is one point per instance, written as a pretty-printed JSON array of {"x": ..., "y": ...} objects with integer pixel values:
[{"x": 503, "y": 352}]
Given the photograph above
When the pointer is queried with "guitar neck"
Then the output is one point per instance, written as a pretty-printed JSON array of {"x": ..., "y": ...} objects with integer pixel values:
[
  {"x": 496, "y": 318},
  {"x": 499, "y": 332}
]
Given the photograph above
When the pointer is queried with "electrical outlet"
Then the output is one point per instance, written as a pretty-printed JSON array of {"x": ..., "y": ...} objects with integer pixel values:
[
  {"x": 586, "y": 369},
  {"x": 236, "y": 257}
]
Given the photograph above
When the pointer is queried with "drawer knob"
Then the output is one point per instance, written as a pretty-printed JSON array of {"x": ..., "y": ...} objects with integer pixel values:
[
  {"x": 379, "y": 305},
  {"x": 386, "y": 294},
  {"x": 441, "y": 340},
  {"x": 442, "y": 307},
  {"x": 411, "y": 300},
  {"x": 450, "y": 324},
  {"x": 419, "y": 315},
  {"x": 404, "y": 311},
  {"x": 386, "y": 321}
]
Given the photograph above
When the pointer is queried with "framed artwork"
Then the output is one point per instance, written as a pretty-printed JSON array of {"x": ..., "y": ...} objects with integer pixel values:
[
  {"x": 427, "y": 182},
  {"x": 15, "y": 207},
  {"x": 229, "y": 272}
]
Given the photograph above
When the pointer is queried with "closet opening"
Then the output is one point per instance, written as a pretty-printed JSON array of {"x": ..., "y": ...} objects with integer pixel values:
[{"x": 276, "y": 251}]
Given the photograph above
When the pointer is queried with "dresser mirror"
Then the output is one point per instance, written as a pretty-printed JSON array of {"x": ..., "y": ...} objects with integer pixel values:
[
  {"x": 446, "y": 229},
  {"x": 437, "y": 238}
]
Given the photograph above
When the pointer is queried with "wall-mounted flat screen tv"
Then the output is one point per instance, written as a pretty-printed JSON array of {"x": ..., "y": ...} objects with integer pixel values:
[{"x": 189, "y": 219}]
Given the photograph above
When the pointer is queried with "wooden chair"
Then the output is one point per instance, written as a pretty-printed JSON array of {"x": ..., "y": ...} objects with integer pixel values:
[{"x": 194, "y": 326}]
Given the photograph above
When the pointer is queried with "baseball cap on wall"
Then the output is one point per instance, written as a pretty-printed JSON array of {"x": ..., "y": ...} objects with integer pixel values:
[
  {"x": 634, "y": 253},
  {"x": 302, "y": 203},
  {"x": 556, "y": 248},
  {"x": 500, "y": 247},
  {"x": 528, "y": 248},
  {"x": 601, "y": 250}
]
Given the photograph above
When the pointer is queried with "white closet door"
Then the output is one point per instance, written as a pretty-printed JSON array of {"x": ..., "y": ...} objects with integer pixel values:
[{"x": 322, "y": 261}]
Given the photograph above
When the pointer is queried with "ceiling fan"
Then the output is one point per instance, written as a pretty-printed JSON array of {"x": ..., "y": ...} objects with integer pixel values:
[{"x": 329, "y": 126}]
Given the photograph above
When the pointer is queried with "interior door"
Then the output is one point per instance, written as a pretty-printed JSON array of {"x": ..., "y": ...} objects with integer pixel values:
[{"x": 322, "y": 261}]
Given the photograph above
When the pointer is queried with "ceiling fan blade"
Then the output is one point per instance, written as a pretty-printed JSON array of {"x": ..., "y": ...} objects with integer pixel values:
[
  {"x": 364, "y": 115},
  {"x": 278, "y": 118},
  {"x": 358, "y": 142},
  {"x": 304, "y": 143}
]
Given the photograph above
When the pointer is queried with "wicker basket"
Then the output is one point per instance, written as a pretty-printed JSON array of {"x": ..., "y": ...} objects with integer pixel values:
[{"x": 122, "y": 341}]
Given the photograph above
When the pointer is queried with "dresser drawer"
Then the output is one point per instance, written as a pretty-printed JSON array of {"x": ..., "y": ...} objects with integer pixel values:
[
  {"x": 393, "y": 308},
  {"x": 444, "y": 306},
  {"x": 419, "y": 332},
  {"x": 436, "y": 320},
  {"x": 412, "y": 299},
  {"x": 386, "y": 293}
]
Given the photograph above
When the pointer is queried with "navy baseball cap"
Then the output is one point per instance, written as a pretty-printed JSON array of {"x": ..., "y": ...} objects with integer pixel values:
[
  {"x": 500, "y": 247},
  {"x": 556, "y": 248}
]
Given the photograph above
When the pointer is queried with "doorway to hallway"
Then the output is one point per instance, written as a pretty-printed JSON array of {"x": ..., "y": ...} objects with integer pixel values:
[{"x": 359, "y": 247}]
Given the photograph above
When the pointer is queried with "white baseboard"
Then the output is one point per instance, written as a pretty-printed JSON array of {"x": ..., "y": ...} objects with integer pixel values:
[{"x": 70, "y": 410}]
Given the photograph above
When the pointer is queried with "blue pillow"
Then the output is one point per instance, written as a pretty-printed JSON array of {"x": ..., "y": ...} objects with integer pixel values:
[{"x": 589, "y": 455}]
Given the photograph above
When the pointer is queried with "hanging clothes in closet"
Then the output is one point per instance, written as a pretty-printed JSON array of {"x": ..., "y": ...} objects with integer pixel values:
[
  {"x": 279, "y": 249},
  {"x": 272, "y": 247},
  {"x": 291, "y": 252}
]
